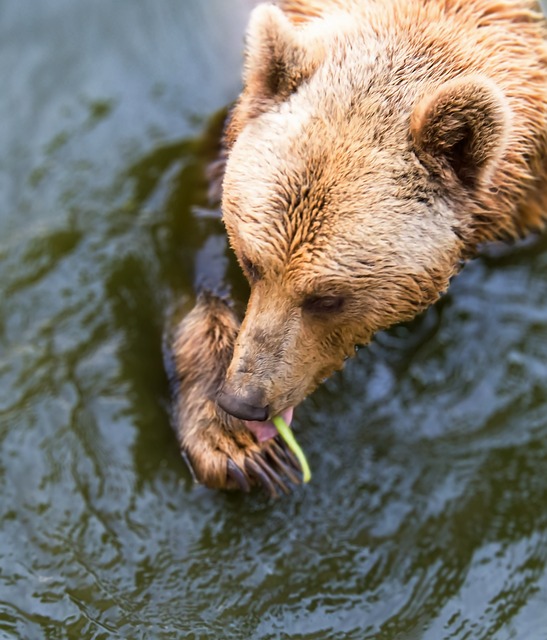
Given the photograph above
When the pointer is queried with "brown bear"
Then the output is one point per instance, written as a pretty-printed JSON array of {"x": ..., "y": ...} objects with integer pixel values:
[{"x": 376, "y": 144}]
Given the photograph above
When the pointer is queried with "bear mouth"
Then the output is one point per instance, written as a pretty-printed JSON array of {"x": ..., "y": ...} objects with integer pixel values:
[{"x": 266, "y": 429}]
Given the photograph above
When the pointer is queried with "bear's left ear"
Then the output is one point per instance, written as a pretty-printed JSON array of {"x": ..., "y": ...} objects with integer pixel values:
[
  {"x": 464, "y": 124},
  {"x": 278, "y": 57}
]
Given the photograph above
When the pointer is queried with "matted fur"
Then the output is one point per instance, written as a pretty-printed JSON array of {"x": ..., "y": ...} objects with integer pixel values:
[
  {"x": 375, "y": 145},
  {"x": 416, "y": 131}
]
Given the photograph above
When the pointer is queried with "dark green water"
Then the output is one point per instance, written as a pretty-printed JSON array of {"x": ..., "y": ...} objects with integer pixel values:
[{"x": 427, "y": 514}]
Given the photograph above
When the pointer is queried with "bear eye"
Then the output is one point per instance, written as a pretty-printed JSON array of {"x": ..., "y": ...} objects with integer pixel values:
[
  {"x": 252, "y": 271},
  {"x": 324, "y": 304}
]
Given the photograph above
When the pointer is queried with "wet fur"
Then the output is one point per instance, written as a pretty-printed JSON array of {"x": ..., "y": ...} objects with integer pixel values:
[
  {"x": 221, "y": 451},
  {"x": 398, "y": 136},
  {"x": 376, "y": 144}
]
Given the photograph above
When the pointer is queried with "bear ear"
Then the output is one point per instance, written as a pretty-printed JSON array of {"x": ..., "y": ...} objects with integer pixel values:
[
  {"x": 277, "y": 58},
  {"x": 464, "y": 124}
]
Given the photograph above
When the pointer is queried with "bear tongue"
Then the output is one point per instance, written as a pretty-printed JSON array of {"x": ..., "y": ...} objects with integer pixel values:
[{"x": 266, "y": 430}]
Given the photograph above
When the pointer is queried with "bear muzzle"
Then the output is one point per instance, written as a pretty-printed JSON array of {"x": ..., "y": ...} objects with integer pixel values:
[{"x": 249, "y": 406}]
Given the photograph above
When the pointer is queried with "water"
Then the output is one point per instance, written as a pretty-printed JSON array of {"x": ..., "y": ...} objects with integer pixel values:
[{"x": 427, "y": 514}]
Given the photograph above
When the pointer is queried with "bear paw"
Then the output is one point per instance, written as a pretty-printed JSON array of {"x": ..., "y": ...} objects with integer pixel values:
[{"x": 223, "y": 454}]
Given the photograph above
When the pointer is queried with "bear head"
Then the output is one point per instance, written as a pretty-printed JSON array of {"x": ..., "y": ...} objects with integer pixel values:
[{"x": 351, "y": 195}]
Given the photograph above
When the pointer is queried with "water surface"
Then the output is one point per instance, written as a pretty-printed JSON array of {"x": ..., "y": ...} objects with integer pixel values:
[{"x": 427, "y": 514}]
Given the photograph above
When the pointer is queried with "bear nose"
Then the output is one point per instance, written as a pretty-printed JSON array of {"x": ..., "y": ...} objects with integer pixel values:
[{"x": 246, "y": 407}]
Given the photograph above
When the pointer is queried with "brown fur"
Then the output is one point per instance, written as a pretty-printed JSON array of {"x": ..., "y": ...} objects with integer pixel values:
[
  {"x": 375, "y": 145},
  {"x": 413, "y": 132},
  {"x": 221, "y": 452}
]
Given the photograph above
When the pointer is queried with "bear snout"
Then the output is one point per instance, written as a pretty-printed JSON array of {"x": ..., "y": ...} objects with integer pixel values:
[{"x": 249, "y": 406}]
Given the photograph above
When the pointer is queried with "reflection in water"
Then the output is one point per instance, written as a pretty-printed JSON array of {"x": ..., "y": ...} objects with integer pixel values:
[{"x": 427, "y": 514}]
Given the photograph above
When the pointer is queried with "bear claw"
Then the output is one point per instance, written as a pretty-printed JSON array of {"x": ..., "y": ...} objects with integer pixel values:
[
  {"x": 235, "y": 473},
  {"x": 285, "y": 460},
  {"x": 268, "y": 468}
]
